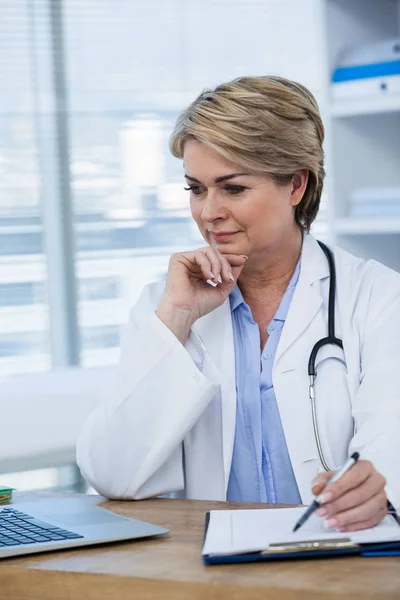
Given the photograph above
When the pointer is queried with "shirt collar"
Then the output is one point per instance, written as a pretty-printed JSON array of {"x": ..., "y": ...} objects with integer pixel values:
[{"x": 236, "y": 298}]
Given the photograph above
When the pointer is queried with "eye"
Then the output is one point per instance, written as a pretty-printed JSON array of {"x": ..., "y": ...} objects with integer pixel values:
[
  {"x": 195, "y": 189},
  {"x": 234, "y": 189}
]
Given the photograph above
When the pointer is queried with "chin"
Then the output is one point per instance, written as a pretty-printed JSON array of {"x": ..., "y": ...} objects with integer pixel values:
[{"x": 229, "y": 248}]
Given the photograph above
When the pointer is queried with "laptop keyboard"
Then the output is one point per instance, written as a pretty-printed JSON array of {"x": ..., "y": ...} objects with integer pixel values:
[{"x": 17, "y": 528}]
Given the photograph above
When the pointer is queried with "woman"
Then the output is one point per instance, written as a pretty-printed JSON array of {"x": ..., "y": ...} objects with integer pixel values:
[{"x": 211, "y": 399}]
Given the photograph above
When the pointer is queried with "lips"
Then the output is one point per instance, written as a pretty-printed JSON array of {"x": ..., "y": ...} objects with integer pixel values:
[{"x": 223, "y": 235}]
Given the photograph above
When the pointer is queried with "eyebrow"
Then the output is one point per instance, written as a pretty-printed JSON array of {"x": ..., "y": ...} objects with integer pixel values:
[{"x": 218, "y": 179}]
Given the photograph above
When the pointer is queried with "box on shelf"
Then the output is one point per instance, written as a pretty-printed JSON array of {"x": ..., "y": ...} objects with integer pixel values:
[{"x": 368, "y": 70}]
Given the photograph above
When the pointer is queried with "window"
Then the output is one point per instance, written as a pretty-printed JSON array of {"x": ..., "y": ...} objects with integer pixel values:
[
  {"x": 100, "y": 337},
  {"x": 23, "y": 306},
  {"x": 130, "y": 208},
  {"x": 90, "y": 91},
  {"x": 22, "y": 293},
  {"x": 21, "y": 344},
  {"x": 98, "y": 288}
]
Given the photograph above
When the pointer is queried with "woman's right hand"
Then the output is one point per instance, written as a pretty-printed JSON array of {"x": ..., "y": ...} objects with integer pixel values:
[{"x": 187, "y": 295}]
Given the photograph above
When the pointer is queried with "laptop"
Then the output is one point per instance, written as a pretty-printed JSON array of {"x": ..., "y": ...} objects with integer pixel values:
[{"x": 45, "y": 525}]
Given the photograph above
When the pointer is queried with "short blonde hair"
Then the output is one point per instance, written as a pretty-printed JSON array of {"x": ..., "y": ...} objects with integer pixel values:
[{"x": 269, "y": 125}]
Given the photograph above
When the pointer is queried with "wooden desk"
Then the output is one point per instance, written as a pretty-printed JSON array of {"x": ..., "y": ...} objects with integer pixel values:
[{"x": 171, "y": 568}]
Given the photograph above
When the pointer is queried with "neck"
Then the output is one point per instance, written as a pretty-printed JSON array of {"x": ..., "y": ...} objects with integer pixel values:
[{"x": 271, "y": 270}]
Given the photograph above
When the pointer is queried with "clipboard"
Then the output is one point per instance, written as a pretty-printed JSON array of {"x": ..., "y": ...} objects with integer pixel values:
[{"x": 305, "y": 549}]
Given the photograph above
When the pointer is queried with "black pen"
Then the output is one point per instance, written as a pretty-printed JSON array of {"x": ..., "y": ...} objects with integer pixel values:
[
  {"x": 318, "y": 500},
  {"x": 392, "y": 511}
]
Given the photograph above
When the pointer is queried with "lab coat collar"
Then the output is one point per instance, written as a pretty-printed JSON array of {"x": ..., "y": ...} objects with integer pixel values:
[{"x": 314, "y": 265}]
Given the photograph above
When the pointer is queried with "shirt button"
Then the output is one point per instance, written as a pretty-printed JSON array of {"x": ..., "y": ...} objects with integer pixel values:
[
  {"x": 271, "y": 327},
  {"x": 267, "y": 355}
]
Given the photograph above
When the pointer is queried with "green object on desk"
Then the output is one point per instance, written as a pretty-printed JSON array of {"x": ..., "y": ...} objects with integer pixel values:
[{"x": 5, "y": 494}]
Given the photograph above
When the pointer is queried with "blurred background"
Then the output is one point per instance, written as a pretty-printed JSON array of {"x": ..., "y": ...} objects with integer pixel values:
[{"x": 92, "y": 204}]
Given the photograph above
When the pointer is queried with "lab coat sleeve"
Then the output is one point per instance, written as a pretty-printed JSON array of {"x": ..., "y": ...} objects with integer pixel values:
[
  {"x": 377, "y": 407},
  {"x": 131, "y": 445}
]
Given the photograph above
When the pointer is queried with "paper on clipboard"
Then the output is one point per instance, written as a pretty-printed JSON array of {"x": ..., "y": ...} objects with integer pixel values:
[{"x": 233, "y": 532}]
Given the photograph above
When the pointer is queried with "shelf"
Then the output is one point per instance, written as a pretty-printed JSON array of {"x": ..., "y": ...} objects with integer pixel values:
[
  {"x": 367, "y": 226},
  {"x": 365, "y": 106}
]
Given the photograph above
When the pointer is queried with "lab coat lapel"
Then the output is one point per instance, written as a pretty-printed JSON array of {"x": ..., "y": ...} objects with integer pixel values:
[
  {"x": 304, "y": 325},
  {"x": 216, "y": 333},
  {"x": 306, "y": 300}
]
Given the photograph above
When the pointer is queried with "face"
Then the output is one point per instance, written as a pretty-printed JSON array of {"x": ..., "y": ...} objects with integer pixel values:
[{"x": 235, "y": 211}]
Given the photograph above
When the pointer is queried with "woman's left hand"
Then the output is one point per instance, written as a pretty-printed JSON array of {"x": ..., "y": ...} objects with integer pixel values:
[{"x": 355, "y": 501}]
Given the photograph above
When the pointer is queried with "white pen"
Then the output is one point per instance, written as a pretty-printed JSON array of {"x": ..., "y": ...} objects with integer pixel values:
[{"x": 318, "y": 499}]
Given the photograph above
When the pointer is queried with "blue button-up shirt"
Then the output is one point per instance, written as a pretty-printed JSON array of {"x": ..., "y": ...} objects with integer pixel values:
[{"x": 261, "y": 469}]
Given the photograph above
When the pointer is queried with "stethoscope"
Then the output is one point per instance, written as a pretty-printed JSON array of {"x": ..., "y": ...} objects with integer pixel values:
[{"x": 330, "y": 339}]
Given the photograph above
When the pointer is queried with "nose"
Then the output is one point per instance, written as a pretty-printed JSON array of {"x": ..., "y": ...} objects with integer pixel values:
[{"x": 213, "y": 207}]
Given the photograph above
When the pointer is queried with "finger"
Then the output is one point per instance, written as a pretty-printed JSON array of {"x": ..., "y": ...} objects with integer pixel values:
[
  {"x": 360, "y": 514},
  {"x": 226, "y": 270},
  {"x": 231, "y": 273},
  {"x": 375, "y": 520},
  {"x": 230, "y": 265},
  {"x": 236, "y": 270},
  {"x": 193, "y": 261},
  {"x": 202, "y": 261},
  {"x": 320, "y": 482},
  {"x": 368, "y": 489},
  {"x": 236, "y": 263},
  {"x": 353, "y": 478},
  {"x": 235, "y": 259},
  {"x": 215, "y": 261},
  {"x": 222, "y": 265}
]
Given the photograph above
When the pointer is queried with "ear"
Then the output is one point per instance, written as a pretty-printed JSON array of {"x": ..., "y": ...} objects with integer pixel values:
[{"x": 299, "y": 185}]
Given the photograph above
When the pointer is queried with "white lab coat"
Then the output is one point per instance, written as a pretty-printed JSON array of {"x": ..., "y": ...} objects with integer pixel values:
[{"x": 168, "y": 424}]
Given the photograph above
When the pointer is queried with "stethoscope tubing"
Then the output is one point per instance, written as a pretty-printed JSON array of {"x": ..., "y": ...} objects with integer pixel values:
[{"x": 331, "y": 339}]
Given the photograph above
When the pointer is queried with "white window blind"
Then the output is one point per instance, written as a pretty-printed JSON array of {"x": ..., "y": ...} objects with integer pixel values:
[{"x": 24, "y": 326}]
